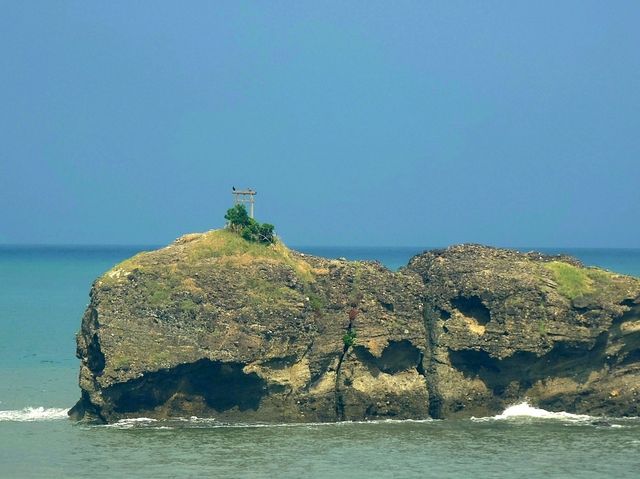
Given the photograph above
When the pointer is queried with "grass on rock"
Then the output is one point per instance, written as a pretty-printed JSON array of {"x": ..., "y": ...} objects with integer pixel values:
[
  {"x": 170, "y": 275},
  {"x": 574, "y": 281}
]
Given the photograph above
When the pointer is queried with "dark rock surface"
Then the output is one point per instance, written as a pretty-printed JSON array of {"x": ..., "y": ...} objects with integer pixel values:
[
  {"x": 505, "y": 326},
  {"x": 213, "y": 326}
]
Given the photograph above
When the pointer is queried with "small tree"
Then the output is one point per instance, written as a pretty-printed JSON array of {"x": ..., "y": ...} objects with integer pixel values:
[
  {"x": 237, "y": 216},
  {"x": 349, "y": 338},
  {"x": 250, "y": 231},
  {"x": 247, "y": 227},
  {"x": 265, "y": 233}
]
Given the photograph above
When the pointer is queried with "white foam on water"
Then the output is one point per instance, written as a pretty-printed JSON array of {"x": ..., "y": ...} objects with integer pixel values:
[
  {"x": 525, "y": 410},
  {"x": 131, "y": 422},
  {"x": 210, "y": 422},
  {"x": 518, "y": 412},
  {"x": 137, "y": 419},
  {"x": 30, "y": 414}
]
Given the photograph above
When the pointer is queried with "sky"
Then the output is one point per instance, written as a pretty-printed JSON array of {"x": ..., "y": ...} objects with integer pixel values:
[{"x": 358, "y": 123}]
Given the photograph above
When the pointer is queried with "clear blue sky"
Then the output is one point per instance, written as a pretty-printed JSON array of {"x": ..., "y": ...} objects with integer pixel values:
[{"x": 358, "y": 123}]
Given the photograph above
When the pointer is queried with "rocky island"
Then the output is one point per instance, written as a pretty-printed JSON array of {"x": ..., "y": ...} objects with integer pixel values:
[{"x": 215, "y": 325}]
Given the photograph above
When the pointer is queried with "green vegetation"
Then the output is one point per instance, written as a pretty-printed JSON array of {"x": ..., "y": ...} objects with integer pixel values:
[
  {"x": 216, "y": 244},
  {"x": 231, "y": 247},
  {"x": 248, "y": 228},
  {"x": 175, "y": 278},
  {"x": 258, "y": 232},
  {"x": 121, "y": 362},
  {"x": 158, "y": 287},
  {"x": 167, "y": 271},
  {"x": 542, "y": 322},
  {"x": 574, "y": 281},
  {"x": 189, "y": 306},
  {"x": 542, "y": 328},
  {"x": 355, "y": 295},
  {"x": 133, "y": 354},
  {"x": 349, "y": 338},
  {"x": 316, "y": 302},
  {"x": 237, "y": 216},
  {"x": 159, "y": 296},
  {"x": 264, "y": 293}
]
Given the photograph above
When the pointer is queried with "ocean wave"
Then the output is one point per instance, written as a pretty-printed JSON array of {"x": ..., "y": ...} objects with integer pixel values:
[
  {"x": 525, "y": 410},
  {"x": 30, "y": 414},
  {"x": 213, "y": 423}
]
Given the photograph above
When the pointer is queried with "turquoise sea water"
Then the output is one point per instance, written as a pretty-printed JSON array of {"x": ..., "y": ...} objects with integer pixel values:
[{"x": 43, "y": 292}]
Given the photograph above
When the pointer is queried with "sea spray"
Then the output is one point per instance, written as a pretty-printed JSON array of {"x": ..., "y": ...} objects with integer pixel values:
[
  {"x": 29, "y": 414},
  {"x": 525, "y": 410}
]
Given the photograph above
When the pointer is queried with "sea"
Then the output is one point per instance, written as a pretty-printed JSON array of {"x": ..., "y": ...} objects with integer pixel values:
[{"x": 43, "y": 293}]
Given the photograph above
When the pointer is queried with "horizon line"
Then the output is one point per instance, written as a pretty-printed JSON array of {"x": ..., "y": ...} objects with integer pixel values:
[{"x": 160, "y": 245}]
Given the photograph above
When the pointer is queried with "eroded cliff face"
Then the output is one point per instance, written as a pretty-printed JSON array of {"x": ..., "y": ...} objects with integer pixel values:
[
  {"x": 213, "y": 326},
  {"x": 506, "y": 326}
]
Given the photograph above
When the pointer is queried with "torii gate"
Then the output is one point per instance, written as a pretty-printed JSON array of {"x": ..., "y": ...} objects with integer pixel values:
[{"x": 244, "y": 196}]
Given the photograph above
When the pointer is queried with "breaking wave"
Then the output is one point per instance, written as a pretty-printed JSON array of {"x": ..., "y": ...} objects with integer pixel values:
[
  {"x": 30, "y": 414},
  {"x": 525, "y": 410}
]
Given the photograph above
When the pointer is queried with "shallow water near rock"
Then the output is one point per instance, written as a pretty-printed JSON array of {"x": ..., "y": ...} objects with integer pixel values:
[
  {"x": 522, "y": 447},
  {"x": 43, "y": 294}
]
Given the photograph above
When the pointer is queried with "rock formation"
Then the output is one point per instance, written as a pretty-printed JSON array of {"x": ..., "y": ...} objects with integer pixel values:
[
  {"x": 504, "y": 326},
  {"x": 215, "y": 326}
]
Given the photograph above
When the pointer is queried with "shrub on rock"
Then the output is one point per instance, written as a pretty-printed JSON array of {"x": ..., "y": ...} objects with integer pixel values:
[{"x": 251, "y": 230}]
